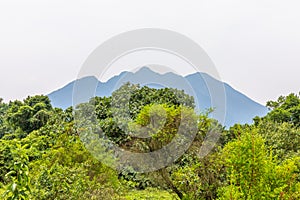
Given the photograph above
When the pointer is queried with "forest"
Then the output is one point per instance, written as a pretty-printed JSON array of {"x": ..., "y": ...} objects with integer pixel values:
[{"x": 44, "y": 155}]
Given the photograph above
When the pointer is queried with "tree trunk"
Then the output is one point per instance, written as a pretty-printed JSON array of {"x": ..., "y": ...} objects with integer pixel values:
[{"x": 163, "y": 172}]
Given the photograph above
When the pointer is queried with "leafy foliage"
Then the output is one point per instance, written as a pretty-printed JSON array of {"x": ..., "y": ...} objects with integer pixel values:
[
  {"x": 42, "y": 155},
  {"x": 285, "y": 109},
  {"x": 30, "y": 115},
  {"x": 253, "y": 174},
  {"x": 19, "y": 188}
]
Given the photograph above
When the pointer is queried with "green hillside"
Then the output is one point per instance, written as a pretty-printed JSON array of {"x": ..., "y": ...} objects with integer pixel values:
[{"x": 44, "y": 153}]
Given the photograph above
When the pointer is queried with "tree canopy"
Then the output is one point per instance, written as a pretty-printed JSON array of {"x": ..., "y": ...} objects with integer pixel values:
[{"x": 43, "y": 156}]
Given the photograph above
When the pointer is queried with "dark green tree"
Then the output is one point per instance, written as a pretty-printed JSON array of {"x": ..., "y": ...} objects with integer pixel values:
[
  {"x": 30, "y": 115},
  {"x": 285, "y": 109}
]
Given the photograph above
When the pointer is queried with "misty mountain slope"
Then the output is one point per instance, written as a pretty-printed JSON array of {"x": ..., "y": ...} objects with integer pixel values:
[{"x": 238, "y": 107}]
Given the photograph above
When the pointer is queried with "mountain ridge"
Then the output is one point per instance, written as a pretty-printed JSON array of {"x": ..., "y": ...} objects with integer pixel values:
[{"x": 239, "y": 107}]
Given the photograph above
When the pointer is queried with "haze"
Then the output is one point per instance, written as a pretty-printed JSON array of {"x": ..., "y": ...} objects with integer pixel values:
[{"x": 254, "y": 44}]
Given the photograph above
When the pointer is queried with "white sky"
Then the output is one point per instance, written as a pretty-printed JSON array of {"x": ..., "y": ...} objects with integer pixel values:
[{"x": 255, "y": 44}]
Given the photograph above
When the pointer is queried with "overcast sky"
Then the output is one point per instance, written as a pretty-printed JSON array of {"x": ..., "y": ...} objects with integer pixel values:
[{"x": 255, "y": 44}]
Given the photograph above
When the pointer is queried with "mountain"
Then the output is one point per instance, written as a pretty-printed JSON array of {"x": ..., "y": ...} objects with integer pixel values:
[{"x": 230, "y": 106}]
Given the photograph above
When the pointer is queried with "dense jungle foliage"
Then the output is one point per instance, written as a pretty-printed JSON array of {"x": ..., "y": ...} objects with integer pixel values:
[{"x": 43, "y": 157}]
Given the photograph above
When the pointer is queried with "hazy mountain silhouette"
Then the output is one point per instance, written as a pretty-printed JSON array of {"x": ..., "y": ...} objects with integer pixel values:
[{"x": 239, "y": 108}]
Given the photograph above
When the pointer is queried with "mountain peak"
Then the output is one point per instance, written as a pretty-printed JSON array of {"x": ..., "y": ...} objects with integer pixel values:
[
  {"x": 239, "y": 108},
  {"x": 144, "y": 69}
]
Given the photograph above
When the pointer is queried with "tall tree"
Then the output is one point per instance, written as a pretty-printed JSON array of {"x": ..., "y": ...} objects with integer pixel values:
[{"x": 285, "y": 109}]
